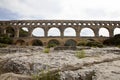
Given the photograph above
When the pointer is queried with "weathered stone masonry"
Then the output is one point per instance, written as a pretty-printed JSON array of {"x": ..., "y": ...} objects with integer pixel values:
[{"x": 77, "y": 25}]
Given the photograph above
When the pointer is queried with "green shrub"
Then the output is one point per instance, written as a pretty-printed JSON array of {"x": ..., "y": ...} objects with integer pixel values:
[
  {"x": 51, "y": 45},
  {"x": 46, "y": 50},
  {"x": 80, "y": 54},
  {"x": 94, "y": 44},
  {"x": 23, "y": 33},
  {"x": 3, "y": 45},
  {"x": 113, "y": 41},
  {"x": 37, "y": 43},
  {"x": 47, "y": 76},
  {"x": 83, "y": 43},
  {"x": 118, "y": 46},
  {"x": 5, "y": 39}
]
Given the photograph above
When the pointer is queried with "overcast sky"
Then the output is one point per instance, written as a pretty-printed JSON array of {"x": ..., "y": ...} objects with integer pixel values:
[{"x": 60, "y": 9}]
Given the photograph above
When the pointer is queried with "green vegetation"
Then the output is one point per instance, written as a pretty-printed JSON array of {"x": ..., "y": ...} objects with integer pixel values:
[
  {"x": 10, "y": 32},
  {"x": 113, "y": 41},
  {"x": 80, "y": 54},
  {"x": 47, "y": 76},
  {"x": 23, "y": 33},
  {"x": 37, "y": 43},
  {"x": 90, "y": 44},
  {"x": 5, "y": 39},
  {"x": 94, "y": 44},
  {"x": 53, "y": 43},
  {"x": 70, "y": 42},
  {"x": 46, "y": 50},
  {"x": 3, "y": 45},
  {"x": 82, "y": 43}
]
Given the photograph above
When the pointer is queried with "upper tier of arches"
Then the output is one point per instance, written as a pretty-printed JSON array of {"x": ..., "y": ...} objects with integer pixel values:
[{"x": 60, "y": 28}]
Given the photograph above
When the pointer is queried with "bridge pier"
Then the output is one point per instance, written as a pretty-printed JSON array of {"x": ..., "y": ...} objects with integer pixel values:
[{"x": 17, "y": 33}]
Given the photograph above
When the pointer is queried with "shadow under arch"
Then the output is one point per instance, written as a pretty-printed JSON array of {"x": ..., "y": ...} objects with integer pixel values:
[
  {"x": 37, "y": 42},
  {"x": 10, "y": 31},
  {"x": 70, "y": 42},
  {"x": 20, "y": 42},
  {"x": 54, "y": 42}
]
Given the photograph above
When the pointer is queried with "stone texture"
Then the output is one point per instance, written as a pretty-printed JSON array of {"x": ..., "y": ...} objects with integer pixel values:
[{"x": 99, "y": 63}]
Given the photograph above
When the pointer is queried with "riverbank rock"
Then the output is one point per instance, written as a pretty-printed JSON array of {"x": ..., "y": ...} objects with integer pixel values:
[
  {"x": 12, "y": 76},
  {"x": 98, "y": 63}
]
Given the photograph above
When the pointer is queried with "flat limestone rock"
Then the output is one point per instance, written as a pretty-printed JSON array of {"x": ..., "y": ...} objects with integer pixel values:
[{"x": 12, "y": 76}]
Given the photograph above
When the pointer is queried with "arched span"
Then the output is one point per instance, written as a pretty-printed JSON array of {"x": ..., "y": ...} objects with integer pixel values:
[
  {"x": 116, "y": 31},
  {"x": 103, "y": 32},
  {"x": 38, "y": 32},
  {"x": 37, "y": 42},
  {"x": 20, "y": 42},
  {"x": 54, "y": 32},
  {"x": 54, "y": 42},
  {"x": 23, "y": 32},
  {"x": 69, "y": 32},
  {"x": 87, "y": 32},
  {"x": 10, "y": 31},
  {"x": 70, "y": 42}
]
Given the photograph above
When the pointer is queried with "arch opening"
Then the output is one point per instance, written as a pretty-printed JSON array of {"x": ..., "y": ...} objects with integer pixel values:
[
  {"x": 38, "y": 32},
  {"x": 53, "y": 43},
  {"x": 103, "y": 32},
  {"x": 69, "y": 32},
  {"x": 70, "y": 42},
  {"x": 23, "y": 32},
  {"x": 37, "y": 42},
  {"x": 20, "y": 42},
  {"x": 53, "y": 32},
  {"x": 87, "y": 32},
  {"x": 10, "y": 32},
  {"x": 116, "y": 31}
]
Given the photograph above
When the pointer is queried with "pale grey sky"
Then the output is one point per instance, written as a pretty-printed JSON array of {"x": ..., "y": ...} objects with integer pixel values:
[{"x": 60, "y": 9}]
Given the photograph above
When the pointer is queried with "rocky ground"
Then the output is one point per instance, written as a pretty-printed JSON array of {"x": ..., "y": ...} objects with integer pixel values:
[{"x": 23, "y": 63}]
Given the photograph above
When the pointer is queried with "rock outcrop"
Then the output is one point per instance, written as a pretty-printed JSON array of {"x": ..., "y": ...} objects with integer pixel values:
[{"x": 99, "y": 64}]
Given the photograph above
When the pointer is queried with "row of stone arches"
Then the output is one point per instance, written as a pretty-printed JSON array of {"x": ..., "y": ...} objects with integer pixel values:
[
  {"x": 39, "y": 32},
  {"x": 37, "y": 42}
]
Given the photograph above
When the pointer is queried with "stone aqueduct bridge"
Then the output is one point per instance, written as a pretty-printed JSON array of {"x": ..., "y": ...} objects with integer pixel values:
[{"x": 77, "y": 25}]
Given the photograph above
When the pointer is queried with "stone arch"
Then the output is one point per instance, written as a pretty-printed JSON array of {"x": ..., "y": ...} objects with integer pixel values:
[
  {"x": 54, "y": 42},
  {"x": 23, "y": 32},
  {"x": 87, "y": 32},
  {"x": 10, "y": 31},
  {"x": 116, "y": 31},
  {"x": 38, "y": 32},
  {"x": 20, "y": 42},
  {"x": 37, "y": 42},
  {"x": 54, "y": 31},
  {"x": 104, "y": 32},
  {"x": 70, "y": 42},
  {"x": 69, "y": 31}
]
